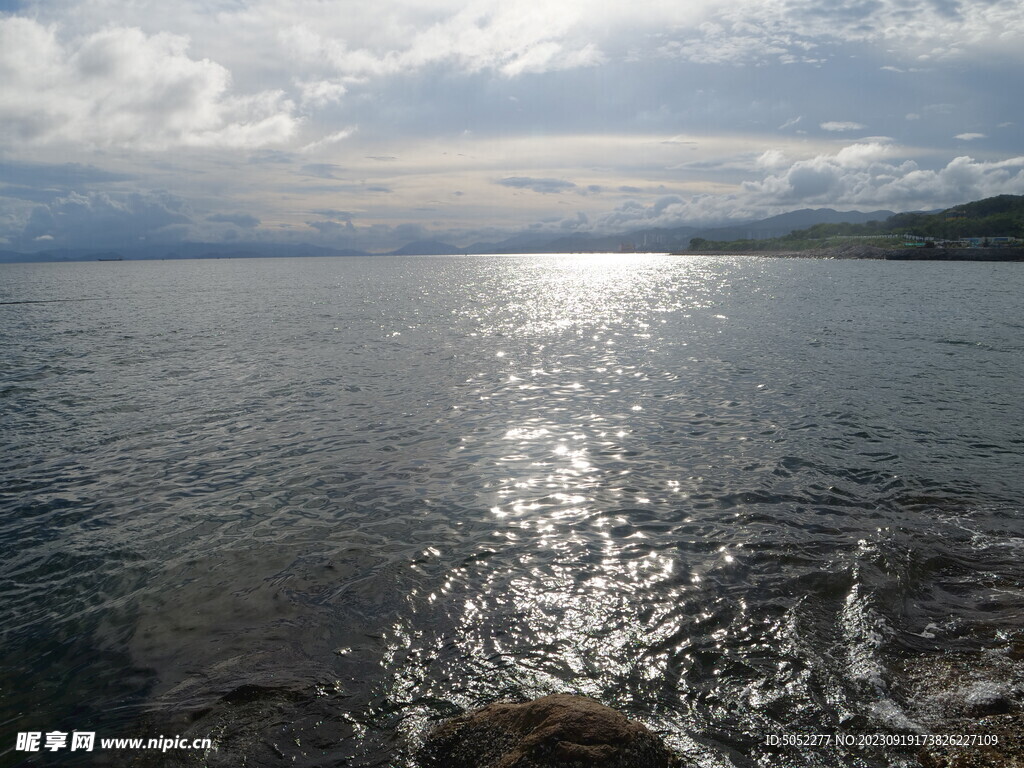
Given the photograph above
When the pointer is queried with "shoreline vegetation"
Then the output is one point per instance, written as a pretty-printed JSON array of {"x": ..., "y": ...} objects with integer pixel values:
[
  {"x": 852, "y": 251},
  {"x": 985, "y": 230}
]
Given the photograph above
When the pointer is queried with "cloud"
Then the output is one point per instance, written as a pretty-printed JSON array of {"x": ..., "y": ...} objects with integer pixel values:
[
  {"x": 411, "y": 232},
  {"x": 723, "y": 40},
  {"x": 771, "y": 158},
  {"x": 332, "y": 228},
  {"x": 99, "y": 219},
  {"x": 512, "y": 37},
  {"x": 243, "y": 220},
  {"x": 333, "y": 138},
  {"x": 863, "y": 175},
  {"x": 122, "y": 87},
  {"x": 970, "y": 136},
  {"x": 544, "y": 186},
  {"x": 321, "y": 170},
  {"x": 667, "y": 211},
  {"x": 842, "y": 126},
  {"x": 331, "y": 213},
  {"x": 64, "y": 175},
  {"x": 320, "y": 93},
  {"x": 809, "y": 31},
  {"x": 487, "y": 96}
]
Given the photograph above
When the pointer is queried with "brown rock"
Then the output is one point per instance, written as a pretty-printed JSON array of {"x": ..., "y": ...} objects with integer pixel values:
[
  {"x": 1008, "y": 753},
  {"x": 558, "y": 731},
  {"x": 970, "y": 694}
]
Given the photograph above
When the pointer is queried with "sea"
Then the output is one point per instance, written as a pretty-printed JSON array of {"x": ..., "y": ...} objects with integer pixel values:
[{"x": 309, "y": 508}]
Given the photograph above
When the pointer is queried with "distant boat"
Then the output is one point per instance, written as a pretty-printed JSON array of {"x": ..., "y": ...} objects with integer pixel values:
[{"x": 110, "y": 257}]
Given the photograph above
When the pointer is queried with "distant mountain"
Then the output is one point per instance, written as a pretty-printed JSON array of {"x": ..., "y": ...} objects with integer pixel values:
[
  {"x": 1001, "y": 215},
  {"x": 672, "y": 238},
  {"x": 185, "y": 250},
  {"x": 190, "y": 250},
  {"x": 784, "y": 223},
  {"x": 653, "y": 239},
  {"x": 999, "y": 219},
  {"x": 426, "y": 248},
  {"x": 523, "y": 242}
]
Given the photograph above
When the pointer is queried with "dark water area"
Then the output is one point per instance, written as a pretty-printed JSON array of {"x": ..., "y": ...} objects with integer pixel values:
[{"x": 309, "y": 507}]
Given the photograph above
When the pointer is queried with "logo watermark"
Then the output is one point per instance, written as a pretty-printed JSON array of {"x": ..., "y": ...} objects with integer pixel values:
[{"x": 85, "y": 741}]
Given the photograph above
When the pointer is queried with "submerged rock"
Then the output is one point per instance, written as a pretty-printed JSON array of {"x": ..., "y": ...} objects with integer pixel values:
[
  {"x": 979, "y": 696},
  {"x": 557, "y": 731},
  {"x": 1008, "y": 729}
]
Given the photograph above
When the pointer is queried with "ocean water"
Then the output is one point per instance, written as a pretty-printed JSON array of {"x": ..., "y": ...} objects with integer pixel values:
[{"x": 309, "y": 507}]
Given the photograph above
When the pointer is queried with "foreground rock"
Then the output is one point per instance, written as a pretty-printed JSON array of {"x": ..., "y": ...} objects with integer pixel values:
[
  {"x": 978, "y": 694},
  {"x": 557, "y": 731},
  {"x": 1008, "y": 753}
]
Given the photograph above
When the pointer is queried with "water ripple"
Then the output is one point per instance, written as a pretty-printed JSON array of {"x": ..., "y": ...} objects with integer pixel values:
[{"x": 354, "y": 496}]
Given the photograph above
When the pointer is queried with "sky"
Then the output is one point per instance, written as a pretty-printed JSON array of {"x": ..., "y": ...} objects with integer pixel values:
[{"x": 367, "y": 125}]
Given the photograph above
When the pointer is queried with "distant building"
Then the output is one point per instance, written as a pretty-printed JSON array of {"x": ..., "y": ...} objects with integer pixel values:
[{"x": 991, "y": 242}]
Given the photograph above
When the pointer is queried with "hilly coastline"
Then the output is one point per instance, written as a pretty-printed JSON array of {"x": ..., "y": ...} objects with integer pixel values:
[
  {"x": 985, "y": 230},
  {"x": 988, "y": 229}
]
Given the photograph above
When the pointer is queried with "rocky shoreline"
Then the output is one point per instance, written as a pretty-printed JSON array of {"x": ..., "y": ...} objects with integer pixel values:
[
  {"x": 885, "y": 254},
  {"x": 556, "y": 731}
]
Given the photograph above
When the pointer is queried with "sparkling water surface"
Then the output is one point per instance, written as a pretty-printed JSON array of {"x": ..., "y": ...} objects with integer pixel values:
[{"x": 309, "y": 507}]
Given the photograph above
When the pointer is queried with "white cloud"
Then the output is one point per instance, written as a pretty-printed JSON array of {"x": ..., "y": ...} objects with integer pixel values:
[
  {"x": 122, "y": 87},
  {"x": 333, "y": 138},
  {"x": 771, "y": 158},
  {"x": 512, "y": 37},
  {"x": 970, "y": 136},
  {"x": 863, "y": 175},
  {"x": 839, "y": 126},
  {"x": 320, "y": 93},
  {"x": 791, "y": 31},
  {"x": 461, "y": 82},
  {"x": 519, "y": 36}
]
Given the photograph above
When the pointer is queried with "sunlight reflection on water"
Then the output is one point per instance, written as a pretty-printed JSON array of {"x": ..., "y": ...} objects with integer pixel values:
[{"x": 720, "y": 493}]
